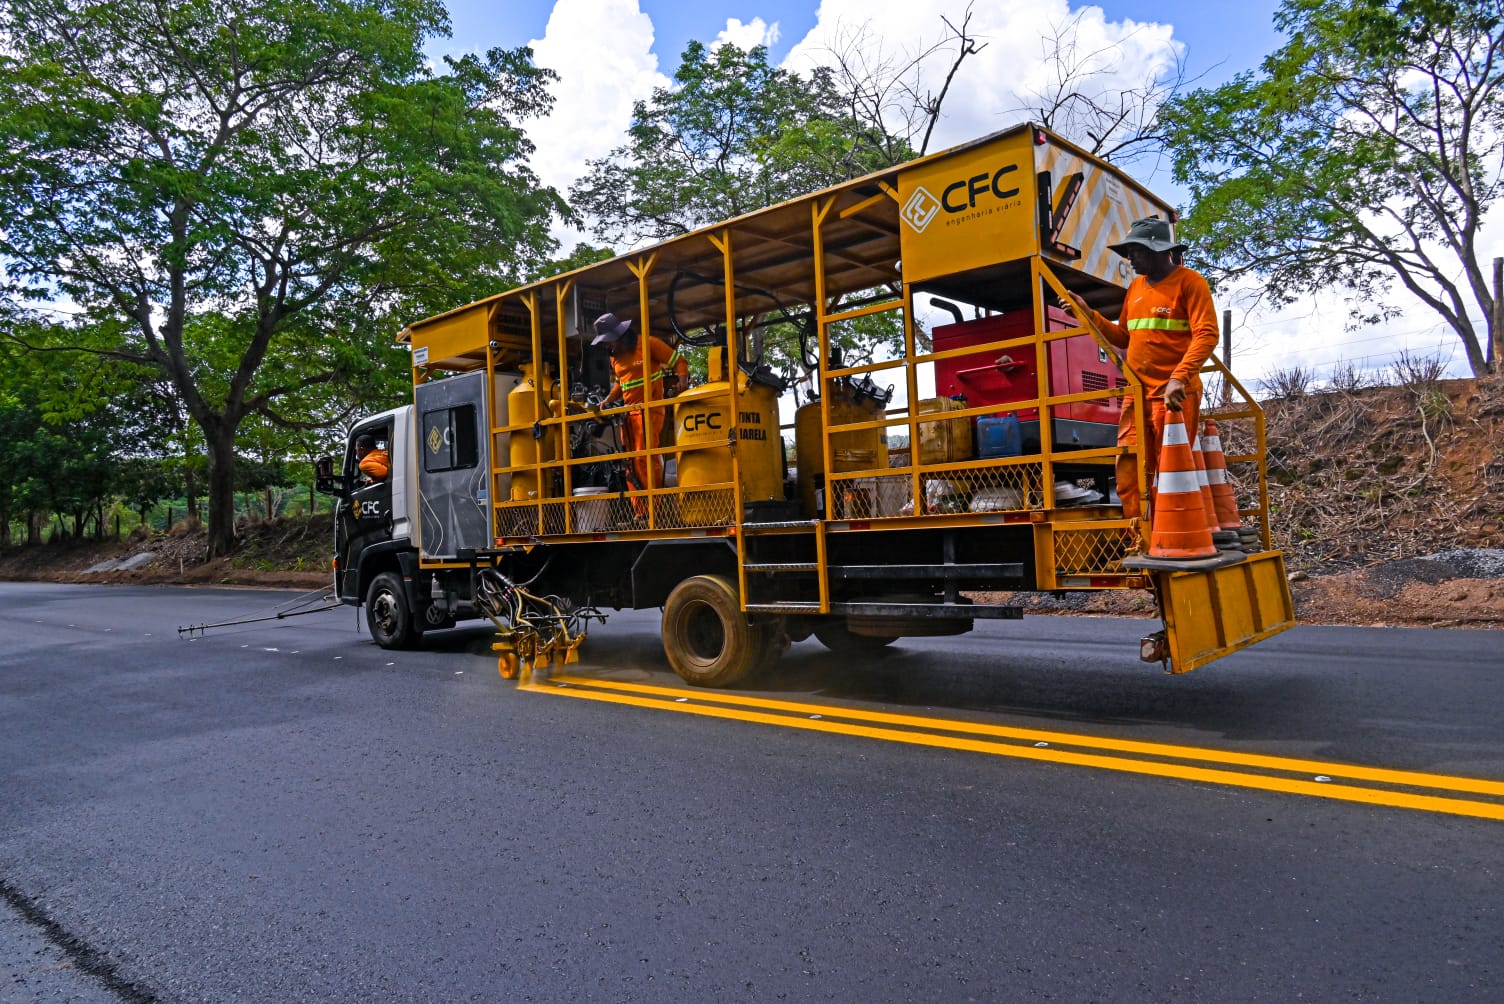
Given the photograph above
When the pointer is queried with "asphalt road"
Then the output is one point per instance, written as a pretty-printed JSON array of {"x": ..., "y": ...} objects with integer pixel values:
[{"x": 283, "y": 812}]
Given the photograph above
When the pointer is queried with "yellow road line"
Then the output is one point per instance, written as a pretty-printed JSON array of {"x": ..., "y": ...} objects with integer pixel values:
[
  {"x": 740, "y": 707},
  {"x": 1477, "y": 786}
]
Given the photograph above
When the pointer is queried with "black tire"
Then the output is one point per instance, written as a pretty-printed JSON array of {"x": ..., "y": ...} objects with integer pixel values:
[
  {"x": 388, "y": 616},
  {"x": 708, "y": 640},
  {"x": 837, "y": 637}
]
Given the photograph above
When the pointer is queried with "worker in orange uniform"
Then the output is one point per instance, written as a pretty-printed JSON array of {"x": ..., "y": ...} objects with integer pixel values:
[
  {"x": 374, "y": 464},
  {"x": 1168, "y": 325},
  {"x": 633, "y": 386}
]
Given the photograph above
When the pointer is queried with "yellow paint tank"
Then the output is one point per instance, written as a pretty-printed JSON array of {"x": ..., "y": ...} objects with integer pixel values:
[
  {"x": 522, "y": 449},
  {"x": 858, "y": 450},
  {"x": 702, "y": 431}
]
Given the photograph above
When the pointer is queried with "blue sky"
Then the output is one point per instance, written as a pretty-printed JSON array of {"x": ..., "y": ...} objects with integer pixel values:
[
  {"x": 1221, "y": 37},
  {"x": 610, "y": 52}
]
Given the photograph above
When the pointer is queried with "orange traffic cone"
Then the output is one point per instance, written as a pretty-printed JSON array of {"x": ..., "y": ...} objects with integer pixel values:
[
  {"x": 1204, "y": 483},
  {"x": 1223, "y": 497},
  {"x": 1179, "y": 529}
]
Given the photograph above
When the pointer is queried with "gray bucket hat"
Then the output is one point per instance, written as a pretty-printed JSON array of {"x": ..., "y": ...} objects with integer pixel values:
[
  {"x": 608, "y": 329},
  {"x": 1152, "y": 233}
]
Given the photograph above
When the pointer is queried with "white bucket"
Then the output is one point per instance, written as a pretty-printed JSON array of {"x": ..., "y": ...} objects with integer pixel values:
[{"x": 591, "y": 516}]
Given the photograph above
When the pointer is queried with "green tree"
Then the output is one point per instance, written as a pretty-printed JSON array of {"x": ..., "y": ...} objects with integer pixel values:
[
  {"x": 65, "y": 426},
  {"x": 582, "y": 255},
  {"x": 731, "y": 135},
  {"x": 261, "y": 189},
  {"x": 142, "y": 482},
  {"x": 20, "y": 418},
  {"x": 1366, "y": 151}
]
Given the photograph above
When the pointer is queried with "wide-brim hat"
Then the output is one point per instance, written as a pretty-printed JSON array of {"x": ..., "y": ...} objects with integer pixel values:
[
  {"x": 608, "y": 329},
  {"x": 1152, "y": 233}
]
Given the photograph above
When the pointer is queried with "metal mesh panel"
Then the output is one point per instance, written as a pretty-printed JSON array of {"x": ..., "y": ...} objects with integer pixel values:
[
  {"x": 1090, "y": 551},
  {"x": 620, "y": 512},
  {"x": 870, "y": 498},
  {"x": 1010, "y": 488},
  {"x": 699, "y": 507},
  {"x": 553, "y": 516},
  {"x": 1005, "y": 488},
  {"x": 612, "y": 513},
  {"x": 519, "y": 520}
]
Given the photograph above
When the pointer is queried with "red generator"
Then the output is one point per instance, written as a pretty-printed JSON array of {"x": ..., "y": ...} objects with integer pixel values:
[{"x": 1004, "y": 377}]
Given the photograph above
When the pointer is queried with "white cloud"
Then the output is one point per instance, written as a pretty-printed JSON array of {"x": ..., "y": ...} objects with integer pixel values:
[
  {"x": 995, "y": 87},
  {"x": 746, "y": 36},
  {"x": 602, "y": 52}
]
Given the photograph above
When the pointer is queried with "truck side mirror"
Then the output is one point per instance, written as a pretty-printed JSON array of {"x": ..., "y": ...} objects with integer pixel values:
[{"x": 326, "y": 481}]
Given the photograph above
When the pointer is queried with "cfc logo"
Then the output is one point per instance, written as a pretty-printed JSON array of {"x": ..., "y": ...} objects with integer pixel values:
[
  {"x": 920, "y": 209},
  {"x": 959, "y": 196},
  {"x": 695, "y": 421}
]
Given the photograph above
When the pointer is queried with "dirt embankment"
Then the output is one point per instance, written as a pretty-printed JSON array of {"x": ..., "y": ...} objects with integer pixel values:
[
  {"x": 287, "y": 553},
  {"x": 1388, "y": 504},
  {"x": 1391, "y": 500}
]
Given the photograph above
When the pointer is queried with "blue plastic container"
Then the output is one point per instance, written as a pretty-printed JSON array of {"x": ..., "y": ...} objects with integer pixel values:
[{"x": 999, "y": 436}]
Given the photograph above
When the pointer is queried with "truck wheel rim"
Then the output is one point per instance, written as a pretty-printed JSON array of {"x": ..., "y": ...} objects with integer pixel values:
[{"x": 704, "y": 634}]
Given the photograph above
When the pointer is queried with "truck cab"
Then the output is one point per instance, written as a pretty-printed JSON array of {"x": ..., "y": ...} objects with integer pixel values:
[{"x": 375, "y": 560}]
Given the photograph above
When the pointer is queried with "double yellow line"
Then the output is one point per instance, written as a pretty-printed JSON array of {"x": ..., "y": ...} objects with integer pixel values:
[{"x": 1375, "y": 786}]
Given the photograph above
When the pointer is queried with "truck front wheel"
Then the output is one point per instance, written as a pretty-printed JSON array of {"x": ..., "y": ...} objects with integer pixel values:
[
  {"x": 388, "y": 616},
  {"x": 708, "y": 640}
]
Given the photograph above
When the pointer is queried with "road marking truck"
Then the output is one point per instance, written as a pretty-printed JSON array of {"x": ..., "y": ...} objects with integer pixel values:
[{"x": 909, "y": 492}]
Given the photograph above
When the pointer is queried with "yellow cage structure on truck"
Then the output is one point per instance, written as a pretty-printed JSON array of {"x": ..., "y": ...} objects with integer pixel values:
[{"x": 873, "y": 499}]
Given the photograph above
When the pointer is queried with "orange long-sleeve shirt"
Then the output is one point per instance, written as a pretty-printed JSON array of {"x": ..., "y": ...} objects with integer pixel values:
[
  {"x": 376, "y": 465},
  {"x": 1169, "y": 329},
  {"x": 627, "y": 368}
]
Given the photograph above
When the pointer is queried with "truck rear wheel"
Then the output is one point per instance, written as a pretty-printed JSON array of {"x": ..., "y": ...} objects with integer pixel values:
[
  {"x": 708, "y": 640},
  {"x": 388, "y": 616}
]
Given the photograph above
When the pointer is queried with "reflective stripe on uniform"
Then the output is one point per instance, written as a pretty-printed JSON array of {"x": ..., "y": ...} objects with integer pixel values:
[
  {"x": 668, "y": 364},
  {"x": 1158, "y": 324},
  {"x": 659, "y": 375}
]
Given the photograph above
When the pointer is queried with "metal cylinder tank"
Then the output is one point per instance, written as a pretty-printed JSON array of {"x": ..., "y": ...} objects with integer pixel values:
[
  {"x": 501, "y": 386},
  {"x": 702, "y": 429},
  {"x": 858, "y": 450},
  {"x": 523, "y": 449}
]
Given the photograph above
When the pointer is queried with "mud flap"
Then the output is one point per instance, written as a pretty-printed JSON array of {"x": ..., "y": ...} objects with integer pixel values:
[{"x": 1212, "y": 612}]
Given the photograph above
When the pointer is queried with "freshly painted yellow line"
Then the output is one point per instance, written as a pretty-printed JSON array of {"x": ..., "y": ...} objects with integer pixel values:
[
  {"x": 623, "y": 693},
  {"x": 1353, "y": 772}
]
